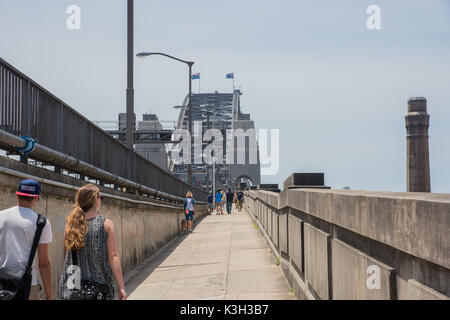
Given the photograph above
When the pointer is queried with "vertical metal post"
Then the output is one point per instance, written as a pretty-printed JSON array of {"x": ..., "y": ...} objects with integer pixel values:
[
  {"x": 207, "y": 166},
  {"x": 85, "y": 140},
  {"x": 190, "y": 123},
  {"x": 26, "y": 111},
  {"x": 60, "y": 126},
  {"x": 214, "y": 179},
  {"x": 130, "y": 65}
]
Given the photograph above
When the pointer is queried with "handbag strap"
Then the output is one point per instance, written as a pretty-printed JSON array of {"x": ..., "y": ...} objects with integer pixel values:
[
  {"x": 74, "y": 258},
  {"x": 40, "y": 223}
]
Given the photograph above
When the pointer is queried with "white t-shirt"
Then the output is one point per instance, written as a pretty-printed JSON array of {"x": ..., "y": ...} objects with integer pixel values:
[
  {"x": 17, "y": 229},
  {"x": 189, "y": 204}
]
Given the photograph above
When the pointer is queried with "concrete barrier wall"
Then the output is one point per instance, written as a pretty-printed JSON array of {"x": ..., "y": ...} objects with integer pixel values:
[
  {"x": 341, "y": 244},
  {"x": 141, "y": 228},
  {"x": 295, "y": 242},
  {"x": 283, "y": 234},
  {"x": 317, "y": 261},
  {"x": 350, "y": 285}
]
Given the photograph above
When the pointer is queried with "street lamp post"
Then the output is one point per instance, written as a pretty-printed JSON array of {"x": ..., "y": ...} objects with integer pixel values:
[
  {"x": 130, "y": 65},
  {"x": 190, "y": 64},
  {"x": 214, "y": 178},
  {"x": 190, "y": 122}
]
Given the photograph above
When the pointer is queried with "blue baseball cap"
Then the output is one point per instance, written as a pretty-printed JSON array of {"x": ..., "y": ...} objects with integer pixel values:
[{"x": 29, "y": 188}]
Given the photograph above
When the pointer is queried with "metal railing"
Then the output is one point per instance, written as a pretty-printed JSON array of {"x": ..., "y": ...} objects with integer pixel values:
[{"x": 28, "y": 109}]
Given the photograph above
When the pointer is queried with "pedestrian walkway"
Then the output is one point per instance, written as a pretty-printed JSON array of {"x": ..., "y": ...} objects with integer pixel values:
[{"x": 226, "y": 257}]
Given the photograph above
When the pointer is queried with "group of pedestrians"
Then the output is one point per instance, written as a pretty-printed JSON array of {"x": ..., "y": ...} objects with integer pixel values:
[
  {"x": 91, "y": 259},
  {"x": 225, "y": 198}
]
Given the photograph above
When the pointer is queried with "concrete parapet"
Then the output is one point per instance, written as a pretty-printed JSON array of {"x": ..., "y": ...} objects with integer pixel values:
[
  {"x": 410, "y": 222},
  {"x": 318, "y": 261},
  {"x": 296, "y": 242},
  {"x": 283, "y": 234},
  {"x": 338, "y": 234},
  {"x": 268, "y": 197},
  {"x": 356, "y": 276},
  {"x": 419, "y": 291},
  {"x": 269, "y": 187},
  {"x": 275, "y": 228}
]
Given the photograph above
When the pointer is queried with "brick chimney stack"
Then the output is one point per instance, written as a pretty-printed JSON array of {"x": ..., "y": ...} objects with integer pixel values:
[{"x": 417, "y": 158}]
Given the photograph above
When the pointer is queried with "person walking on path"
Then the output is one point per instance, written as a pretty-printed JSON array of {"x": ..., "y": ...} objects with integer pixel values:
[
  {"x": 240, "y": 198},
  {"x": 219, "y": 202},
  {"x": 230, "y": 198},
  {"x": 224, "y": 198},
  {"x": 210, "y": 202},
  {"x": 90, "y": 252},
  {"x": 18, "y": 227},
  {"x": 189, "y": 203}
]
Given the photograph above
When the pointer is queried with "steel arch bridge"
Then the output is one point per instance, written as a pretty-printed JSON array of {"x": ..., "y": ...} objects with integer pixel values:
[{"x": 221, "y": 111}]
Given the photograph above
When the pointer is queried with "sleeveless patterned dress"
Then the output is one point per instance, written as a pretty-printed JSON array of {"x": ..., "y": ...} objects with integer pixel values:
[{"x": 92, "y": 260}]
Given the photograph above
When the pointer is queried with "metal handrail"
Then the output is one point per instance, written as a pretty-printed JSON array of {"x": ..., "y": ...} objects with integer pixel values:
[{"x": 28, "y": 109}]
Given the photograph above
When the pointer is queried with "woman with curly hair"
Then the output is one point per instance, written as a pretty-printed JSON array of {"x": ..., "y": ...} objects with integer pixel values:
[{"x": 90, "y": 251}]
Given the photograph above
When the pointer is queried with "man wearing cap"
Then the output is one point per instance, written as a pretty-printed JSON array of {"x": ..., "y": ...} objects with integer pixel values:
[{"x": 17, "y": 230}]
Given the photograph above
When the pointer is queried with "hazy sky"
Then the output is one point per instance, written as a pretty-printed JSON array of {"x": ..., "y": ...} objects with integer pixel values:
[{"x": 336, "y": 90}]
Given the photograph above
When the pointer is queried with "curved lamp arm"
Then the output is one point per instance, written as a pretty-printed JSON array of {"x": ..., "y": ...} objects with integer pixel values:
[{"x": 146, "y": 54}]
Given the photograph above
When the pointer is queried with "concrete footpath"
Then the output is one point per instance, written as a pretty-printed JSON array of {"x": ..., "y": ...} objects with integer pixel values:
[{"x": 226, "y": 257}]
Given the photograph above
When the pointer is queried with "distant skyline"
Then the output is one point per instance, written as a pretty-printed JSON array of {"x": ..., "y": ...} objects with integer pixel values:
[{"x": 337, "y": 91}]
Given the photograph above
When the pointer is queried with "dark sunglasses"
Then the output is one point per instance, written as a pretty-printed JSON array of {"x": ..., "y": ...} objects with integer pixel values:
[{"x": 100, "y": 197}]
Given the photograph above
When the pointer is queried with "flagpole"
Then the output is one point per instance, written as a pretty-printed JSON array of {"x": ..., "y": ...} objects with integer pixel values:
[{"x": 231, "y": 76}]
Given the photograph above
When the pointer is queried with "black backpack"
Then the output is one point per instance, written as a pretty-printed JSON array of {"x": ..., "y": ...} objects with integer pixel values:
[{"x": 13, "y": 285}]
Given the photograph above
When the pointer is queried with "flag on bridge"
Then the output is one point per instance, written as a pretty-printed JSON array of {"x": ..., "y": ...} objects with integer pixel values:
[
  {"x": 231, "y": 76},
  {"x": 196, "y": 76}
]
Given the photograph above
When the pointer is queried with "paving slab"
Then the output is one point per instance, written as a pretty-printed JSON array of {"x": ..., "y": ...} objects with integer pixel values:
[
  {"x": 225, "y": 258},
  {"x": 263, "y": 279}
]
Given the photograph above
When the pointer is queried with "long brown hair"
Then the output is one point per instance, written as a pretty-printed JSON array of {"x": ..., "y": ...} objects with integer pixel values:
[{"x": 76, "y": 225}]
